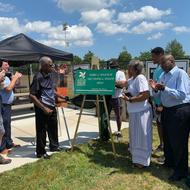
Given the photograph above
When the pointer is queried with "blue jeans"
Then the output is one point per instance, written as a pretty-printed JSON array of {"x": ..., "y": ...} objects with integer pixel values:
[
  {"x": 7, "y": 142},
  {"x": 2, "y": 130}
]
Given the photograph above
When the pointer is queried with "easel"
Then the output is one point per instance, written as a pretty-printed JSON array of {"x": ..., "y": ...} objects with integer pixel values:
[
  {"x": 63, "y": 113},
  {"x": 95, "y": 64},
  {"x": 65, "y": 122}
]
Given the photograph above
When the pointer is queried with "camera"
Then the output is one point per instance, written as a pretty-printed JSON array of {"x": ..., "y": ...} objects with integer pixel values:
[{"x": 8, "y": 74}]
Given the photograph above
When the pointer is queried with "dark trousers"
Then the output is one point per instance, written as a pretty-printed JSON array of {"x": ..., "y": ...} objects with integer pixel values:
[
  {"x": 46, "y": 123},
  {"x": 114, "y": 103},
  {"x": 176, "y": 124},
  {"x": 7, "y": 142}
]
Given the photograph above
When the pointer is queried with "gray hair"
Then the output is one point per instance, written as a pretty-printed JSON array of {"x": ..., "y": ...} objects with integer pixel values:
[
  {"x": 45, "y": 60},
  {"x": 137, "y": 66}
]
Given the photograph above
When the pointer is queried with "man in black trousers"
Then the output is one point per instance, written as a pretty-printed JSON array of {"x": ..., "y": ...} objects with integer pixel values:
[
  {"x": 42, "y": 94},
  {"x": 174, "y": 90}
]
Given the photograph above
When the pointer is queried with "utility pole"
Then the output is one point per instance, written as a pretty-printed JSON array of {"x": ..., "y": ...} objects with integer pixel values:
[{"x": 65, "y": 28}]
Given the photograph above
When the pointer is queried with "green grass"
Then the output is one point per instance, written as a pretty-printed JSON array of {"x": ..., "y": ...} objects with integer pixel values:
[{"x": 91, "y": 166}]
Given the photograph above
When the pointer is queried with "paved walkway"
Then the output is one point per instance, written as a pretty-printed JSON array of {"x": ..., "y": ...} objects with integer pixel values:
[{"x": 23, "y": 133}]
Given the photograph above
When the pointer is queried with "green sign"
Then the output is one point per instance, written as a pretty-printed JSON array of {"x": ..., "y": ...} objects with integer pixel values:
[{"x": 96, "y": 82}]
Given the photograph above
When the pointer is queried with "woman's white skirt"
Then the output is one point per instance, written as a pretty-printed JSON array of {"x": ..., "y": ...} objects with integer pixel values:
[{"x": 140, "y": 136}]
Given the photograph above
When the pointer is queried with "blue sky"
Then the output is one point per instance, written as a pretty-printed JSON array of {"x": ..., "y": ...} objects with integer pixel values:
[{"x": 101, "y": 26}]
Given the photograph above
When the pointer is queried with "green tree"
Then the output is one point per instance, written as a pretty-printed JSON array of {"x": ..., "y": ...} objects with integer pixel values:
[
  {"x": 87, "y": 57},
  {"x": 124, "y": 58},
  {"x": 77, "y": 60},
  {"x": 176, "y": 49},
  {"x": 145, "y": 56}
]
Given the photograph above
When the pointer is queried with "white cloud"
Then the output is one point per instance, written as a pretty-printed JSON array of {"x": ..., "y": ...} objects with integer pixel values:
[
  {"x": 5, "y": 7},
  {"x": 9, "y": 26},
  {"x": 52, "y": 35},
  {"x": 38, "y": 26},
  {"x": 145, "y": 13},
  {"x": 111, "y": 28},
  {"x": 155, "y": 36},
  {"x": 76, "y": 35},
  {"x": 83, "y": 43},
  {"x": 94, "y": 16},
  {"x": 76, "y": 5},
  {"x": 50, "y": 42},
  {"x": 181, "y": 29},
  {"x": 146, "y": 27}
]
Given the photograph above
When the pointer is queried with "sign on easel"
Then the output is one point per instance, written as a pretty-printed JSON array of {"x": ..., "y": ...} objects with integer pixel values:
[{"x": 95, "y": 82}]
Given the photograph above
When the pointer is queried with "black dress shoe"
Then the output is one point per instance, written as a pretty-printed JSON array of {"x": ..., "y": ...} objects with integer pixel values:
[
  {"x": 45, "y": 156},
  {"x": 187, "y": 181},
  {"x": 165, "y": 165},
  {"x": 58, "y": 149},
  {"x": 176, "y": 177}
]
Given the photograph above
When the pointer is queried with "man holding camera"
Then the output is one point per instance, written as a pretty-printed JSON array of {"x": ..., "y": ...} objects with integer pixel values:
[
  {"x": 7, "y": 97},
  {"x": 2, "y": 130}
]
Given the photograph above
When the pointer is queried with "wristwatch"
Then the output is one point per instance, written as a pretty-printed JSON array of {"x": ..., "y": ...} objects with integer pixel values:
[{"x": 130, "y": 100}]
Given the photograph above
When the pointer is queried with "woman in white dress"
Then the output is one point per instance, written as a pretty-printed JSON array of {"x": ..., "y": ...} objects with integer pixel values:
[{"x": 140, "y": 115}]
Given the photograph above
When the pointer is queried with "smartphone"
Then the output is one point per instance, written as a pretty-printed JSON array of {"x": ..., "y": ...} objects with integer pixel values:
[{"x": 128, "y": 94}]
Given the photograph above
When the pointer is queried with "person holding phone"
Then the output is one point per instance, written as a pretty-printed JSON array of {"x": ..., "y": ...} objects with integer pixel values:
[
  {"x": 173, "y": 88},
  {"x": 140, "y": 115}
]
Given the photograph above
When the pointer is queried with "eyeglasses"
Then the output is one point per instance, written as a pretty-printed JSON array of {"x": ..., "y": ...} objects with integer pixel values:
[{"x": 52, "y": 65}]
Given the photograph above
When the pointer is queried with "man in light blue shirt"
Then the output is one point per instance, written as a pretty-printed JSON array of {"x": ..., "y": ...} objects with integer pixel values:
[
  {"x": 2, "y": 130},
  {"x": 176, "y": 87},
  {"x": 7, "y": 97},
  {"x": 174, "y": 90}
]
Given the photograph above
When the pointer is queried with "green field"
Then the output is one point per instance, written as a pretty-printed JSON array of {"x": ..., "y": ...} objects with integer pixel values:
[{"x": 91, "y": 166}]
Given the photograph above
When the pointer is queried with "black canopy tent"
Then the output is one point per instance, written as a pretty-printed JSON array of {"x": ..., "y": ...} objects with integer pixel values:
[{"x": 21, "y": 49}]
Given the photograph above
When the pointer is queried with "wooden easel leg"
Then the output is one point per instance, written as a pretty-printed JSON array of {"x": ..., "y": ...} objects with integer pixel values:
[
  {"x": 59, "y": 122},
  {"x": 109, "y": 126},
  {"x": 98, "y": 110},
  {"x": 67, "y": 130},
  {"x": 81, "y": 109}
]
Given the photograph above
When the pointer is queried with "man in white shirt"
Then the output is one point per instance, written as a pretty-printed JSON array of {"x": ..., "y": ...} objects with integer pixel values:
[{"x": 114, "y": 102}]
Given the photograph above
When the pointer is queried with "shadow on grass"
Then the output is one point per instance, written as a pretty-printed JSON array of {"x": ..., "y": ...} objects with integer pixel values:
[{"x": 101, "y": 153}]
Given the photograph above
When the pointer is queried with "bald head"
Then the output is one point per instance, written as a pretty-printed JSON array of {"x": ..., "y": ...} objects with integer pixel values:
[
  {"x": 167, "y": 62},
  {"x": 46, "y": 64}
]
